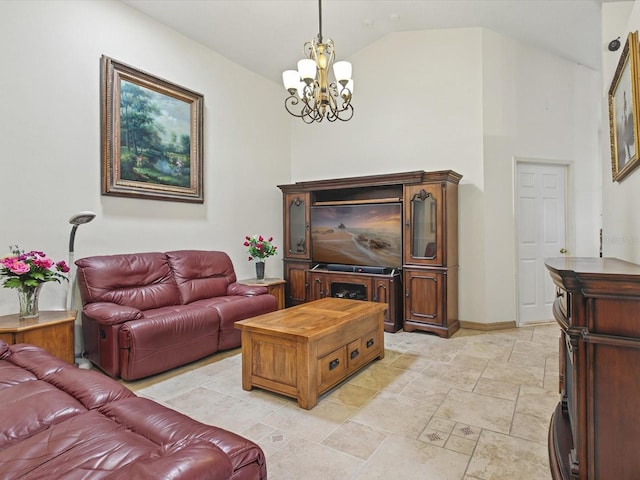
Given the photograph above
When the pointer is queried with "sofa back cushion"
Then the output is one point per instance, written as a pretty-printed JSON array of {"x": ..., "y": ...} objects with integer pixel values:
[
  {"x": 201, "y": 274},
  {"x": 140, "y": 280}
]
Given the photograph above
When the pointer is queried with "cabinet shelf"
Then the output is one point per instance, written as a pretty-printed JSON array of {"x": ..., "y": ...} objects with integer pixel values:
[{"x": 359, "y": 202}]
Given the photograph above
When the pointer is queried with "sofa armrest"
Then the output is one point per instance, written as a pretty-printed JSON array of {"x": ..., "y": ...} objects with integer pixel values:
[
  {"x": 106, "y": 313},
  {"x": 246, "y": 290}
]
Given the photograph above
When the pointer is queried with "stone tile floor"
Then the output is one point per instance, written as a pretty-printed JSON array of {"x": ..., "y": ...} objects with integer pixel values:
[{"x": 473, "y": 407}]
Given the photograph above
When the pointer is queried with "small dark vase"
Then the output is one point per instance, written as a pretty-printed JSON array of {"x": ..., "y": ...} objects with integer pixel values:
[{"x": 260, "y": 270}]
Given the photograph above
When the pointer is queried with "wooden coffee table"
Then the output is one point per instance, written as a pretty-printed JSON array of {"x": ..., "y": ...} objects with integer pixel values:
[{"x": 303, "y": 351}]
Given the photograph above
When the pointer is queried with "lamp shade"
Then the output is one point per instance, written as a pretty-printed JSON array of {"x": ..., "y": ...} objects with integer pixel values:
[
  {"x": 290, "y": 79},
  {"x": 342, "y": 70},
  {"x": 307, "y": 69}
]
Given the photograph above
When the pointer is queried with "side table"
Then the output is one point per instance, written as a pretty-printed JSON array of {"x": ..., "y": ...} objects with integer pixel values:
[
  {"x": 51, "y": 330},
  {"x": 274, "y": 285}
]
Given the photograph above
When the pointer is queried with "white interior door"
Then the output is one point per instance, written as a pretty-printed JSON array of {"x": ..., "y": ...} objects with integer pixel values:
[{"x": 541, "y": 233}]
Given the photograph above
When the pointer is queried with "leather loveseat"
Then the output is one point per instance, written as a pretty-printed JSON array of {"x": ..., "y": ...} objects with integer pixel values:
[
  {"x": 62, "y": 422},
  {"x": 145, "y": 313}
]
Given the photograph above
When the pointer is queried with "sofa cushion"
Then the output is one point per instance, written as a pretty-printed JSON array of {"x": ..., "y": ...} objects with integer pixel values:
[
  {"x": 33, "y": 407},
  {"x": 201, "y": 274},
  {"x": 92, "y": 389},
  {"x": 139, "y": 280},
  {"x": 232, "y": 309},
  {"x": 11, "y": 375},
  {"x": 166, "y": 337},
  {"x": 94, "y": 446},
  {"x": 161, "y": 426},
  {"x": 61, "y": 422}
]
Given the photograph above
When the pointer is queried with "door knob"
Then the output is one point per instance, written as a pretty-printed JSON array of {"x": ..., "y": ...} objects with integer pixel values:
[{"x": 563, "y": 250}]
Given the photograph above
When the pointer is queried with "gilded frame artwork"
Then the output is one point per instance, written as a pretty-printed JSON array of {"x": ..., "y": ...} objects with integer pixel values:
[
  {"x": 624, "y": 111},
  {"x": 151, "y": 136}
]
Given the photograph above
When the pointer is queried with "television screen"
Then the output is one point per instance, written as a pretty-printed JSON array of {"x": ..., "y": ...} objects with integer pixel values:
[{"x": 366, "y": 234}]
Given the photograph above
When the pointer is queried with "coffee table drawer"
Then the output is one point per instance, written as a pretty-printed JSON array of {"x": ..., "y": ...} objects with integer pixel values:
[
  {"x": 347, "y": 334},
  {"x": 362, "y": 349},
  {"x": 331, "y": 367}
]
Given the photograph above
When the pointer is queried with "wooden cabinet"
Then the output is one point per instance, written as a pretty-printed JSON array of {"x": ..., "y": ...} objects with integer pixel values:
[
  {"x": 594, "y": 433},
  {"x": 51, "y": 330},
  {"x": 275, "y": 287},
  {"x": 425, "y": 296},
  {"x": 431, "y": 300},
  {"x": 431, "y": 255}
]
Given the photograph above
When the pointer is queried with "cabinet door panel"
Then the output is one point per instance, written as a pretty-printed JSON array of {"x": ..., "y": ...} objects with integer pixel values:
[
  {"x": 424, "y": 296},
  {"x": 382, "y": 293},
  {"x": 318, "y": 286},
  {"x": 424, "y": 236},
  {"x": 296, "y": 287},
  {"x": 296, "y": 226}
]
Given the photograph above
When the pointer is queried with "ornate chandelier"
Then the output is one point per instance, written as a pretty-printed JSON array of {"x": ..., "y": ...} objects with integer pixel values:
[{"x": 311, "y": 96}]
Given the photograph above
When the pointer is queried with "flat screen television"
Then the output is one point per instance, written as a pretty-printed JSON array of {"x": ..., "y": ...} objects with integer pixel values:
[{"x": 364, "y": 234}]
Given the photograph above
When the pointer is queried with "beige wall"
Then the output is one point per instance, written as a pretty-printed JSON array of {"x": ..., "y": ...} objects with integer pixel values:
[
  {"x": 465, "y": 99},
  {"x": 537, "y": 108},
  {"x": 50, "y": 131},
  {"x": 472, "y": 101}
]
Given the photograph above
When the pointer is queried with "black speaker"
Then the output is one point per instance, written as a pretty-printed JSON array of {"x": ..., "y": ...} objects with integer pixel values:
[
  {"x": 376, "y": 270},
  {"x": 338, "y": 267}
]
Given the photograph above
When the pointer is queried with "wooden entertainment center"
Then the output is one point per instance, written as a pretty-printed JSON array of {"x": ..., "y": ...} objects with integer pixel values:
[{"x": 422, "y": 292}]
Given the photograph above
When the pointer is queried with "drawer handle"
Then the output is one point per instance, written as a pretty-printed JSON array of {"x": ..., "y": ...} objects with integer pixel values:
[
  {"x": 370, "y": 343},
  {"x": 334, "y": 363},
  {"x": 354, "y": 354}
]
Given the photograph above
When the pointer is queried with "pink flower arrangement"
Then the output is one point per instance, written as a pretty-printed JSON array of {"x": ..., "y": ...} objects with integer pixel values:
[
  {"x": 28, "y": 270},
  {"x": 259, "y": 247}
]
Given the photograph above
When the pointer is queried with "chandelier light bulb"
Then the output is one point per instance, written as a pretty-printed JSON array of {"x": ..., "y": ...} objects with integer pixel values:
[
  {"x": 307, "y": 69},
  {"x": 291, "y": 79},
  {"x": 342, "y": 71}
]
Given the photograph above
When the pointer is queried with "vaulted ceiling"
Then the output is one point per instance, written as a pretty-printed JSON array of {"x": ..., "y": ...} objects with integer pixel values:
[{"x": 266, "y": 36}]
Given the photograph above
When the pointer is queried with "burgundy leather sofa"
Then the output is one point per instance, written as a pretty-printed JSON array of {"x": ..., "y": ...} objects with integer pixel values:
[
  {"x": 145, "y": 313},
  {"x": 59, "y": 421}
]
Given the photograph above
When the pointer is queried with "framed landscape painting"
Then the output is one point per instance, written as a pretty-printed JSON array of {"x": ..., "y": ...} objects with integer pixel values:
[
  {"x": 623, "y": 111},
  {"x": 151, "y": 136}
]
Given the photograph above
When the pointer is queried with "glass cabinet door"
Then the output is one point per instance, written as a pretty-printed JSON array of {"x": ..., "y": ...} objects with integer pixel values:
[
  {"x": 422, "y": 217},
  {"x": 297, "y": 225}
]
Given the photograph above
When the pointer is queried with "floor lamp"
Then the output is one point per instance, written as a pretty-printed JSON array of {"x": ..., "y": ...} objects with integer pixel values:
[{"x": 75, "y": 220}]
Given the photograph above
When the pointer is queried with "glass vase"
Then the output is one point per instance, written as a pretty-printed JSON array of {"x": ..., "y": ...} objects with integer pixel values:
[
  {"x": 28, "y": 298},
  {"x": 260, "y": 270}
]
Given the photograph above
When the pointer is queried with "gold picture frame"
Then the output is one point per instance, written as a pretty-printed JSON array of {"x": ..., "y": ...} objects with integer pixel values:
[
  {"x": 151, "y": 136},
  {"x": 624, "y": 111}
]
